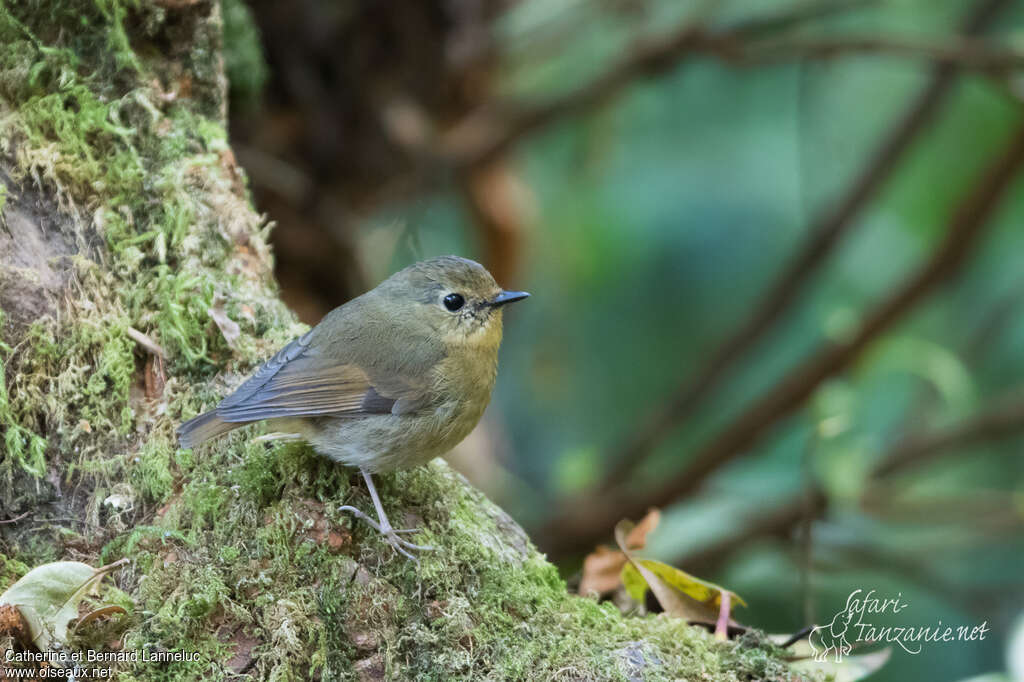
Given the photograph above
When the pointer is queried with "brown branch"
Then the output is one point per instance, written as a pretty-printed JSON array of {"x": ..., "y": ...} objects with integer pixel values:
[
  {"x": 986, "y": 511},
  {"x": 922, "y": 569},
  {"x": 777, "y": 522},
  {"x": 825, "y": 234},
  {"x": 492, "y": 130},
  {"x": 960, "y": 53},
  {"x": 587, "y": 523},
  {"x": 502, "y": 208},
  {"x": 1002, "y": 420},
  {"x": 17, "y": 518}
]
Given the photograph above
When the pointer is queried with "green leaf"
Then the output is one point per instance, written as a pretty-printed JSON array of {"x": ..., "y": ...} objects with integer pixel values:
[
  {"x": 48, "y": 597},
  {"x": 848, "y": 669}
]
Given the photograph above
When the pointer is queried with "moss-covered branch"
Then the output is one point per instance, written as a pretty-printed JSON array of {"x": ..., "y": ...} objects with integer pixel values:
[{"x": 125, "y": 219}]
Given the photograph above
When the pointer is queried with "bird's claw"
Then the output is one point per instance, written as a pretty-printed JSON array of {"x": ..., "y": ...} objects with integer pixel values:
[
  {"x": 401, "y": 545},
  {"x": 390, "y": 534}
]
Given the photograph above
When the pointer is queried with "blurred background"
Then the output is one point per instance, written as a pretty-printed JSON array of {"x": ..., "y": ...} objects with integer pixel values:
[{"x": 775, "y": 250}]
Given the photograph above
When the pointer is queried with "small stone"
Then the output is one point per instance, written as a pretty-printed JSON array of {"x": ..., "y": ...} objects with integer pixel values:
[
  {"x": 364, "y": 641},
  {"x": 435, "y": 609},
  {"x": 363, "y": 577},
  {"x": 242, "y": 658},
  {"x": 336, "y": 541},
  {"x": 370, "y": 669}
]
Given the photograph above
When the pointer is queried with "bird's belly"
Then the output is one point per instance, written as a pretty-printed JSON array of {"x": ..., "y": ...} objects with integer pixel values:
[{"x": 387, "y": 442}]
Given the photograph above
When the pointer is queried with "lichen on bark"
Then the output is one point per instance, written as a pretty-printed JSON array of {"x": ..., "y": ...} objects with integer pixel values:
[{"x": 117, "y": 173}]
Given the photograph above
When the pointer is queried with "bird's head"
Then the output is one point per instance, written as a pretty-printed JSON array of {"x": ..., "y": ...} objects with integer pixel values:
[{"x": 455, "y": 297}]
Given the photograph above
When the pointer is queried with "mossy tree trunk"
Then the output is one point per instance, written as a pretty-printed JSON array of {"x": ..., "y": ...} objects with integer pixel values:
[{"x": 128, "y": 253}]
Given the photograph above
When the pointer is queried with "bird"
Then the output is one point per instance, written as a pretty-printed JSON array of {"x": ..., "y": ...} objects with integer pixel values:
[{"x": 389, "y": 380}]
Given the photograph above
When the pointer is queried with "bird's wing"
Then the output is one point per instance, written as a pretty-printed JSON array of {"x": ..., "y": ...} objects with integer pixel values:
[{"x": 299, "y": 382}]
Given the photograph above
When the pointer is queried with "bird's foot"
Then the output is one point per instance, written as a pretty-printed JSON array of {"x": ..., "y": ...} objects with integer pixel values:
[{"x": 391, "y": 535}]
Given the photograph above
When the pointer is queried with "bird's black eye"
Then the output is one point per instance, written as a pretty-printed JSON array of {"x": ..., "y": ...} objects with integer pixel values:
[{"x": 454, "y": 301}]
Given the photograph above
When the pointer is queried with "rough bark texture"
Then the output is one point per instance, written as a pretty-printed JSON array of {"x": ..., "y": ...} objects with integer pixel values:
[{"x": 124, "y": 216}]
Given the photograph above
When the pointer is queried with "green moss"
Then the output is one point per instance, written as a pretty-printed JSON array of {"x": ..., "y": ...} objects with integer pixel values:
[
  {"x": 474, "y": 609},
  {"x": 72, "y": 382},
  {"x": 11, "y": 570},
  {"x": 151, "y": 471},
  {"x": 25, "y": 449}
]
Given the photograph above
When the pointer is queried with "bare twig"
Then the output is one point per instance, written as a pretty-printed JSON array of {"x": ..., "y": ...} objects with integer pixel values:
[
  {"x": 1005, "y": 419},
  {"x": 17, "y": 518},
  {"x": 146, "y": 342},
  {"x": 492, "y": 130},
  {"x": 921, "y": 568},
  {"x": 778, "y": 523},
  {"x": 959, "y": 52},
  {"x": 503, "y": 209},
  {"x": 588, "y": 523},
  {"x": 824, "y": 236}
]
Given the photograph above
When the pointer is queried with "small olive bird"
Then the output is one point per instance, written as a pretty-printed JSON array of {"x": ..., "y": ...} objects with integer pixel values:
[{"x": 387, "y": 381}]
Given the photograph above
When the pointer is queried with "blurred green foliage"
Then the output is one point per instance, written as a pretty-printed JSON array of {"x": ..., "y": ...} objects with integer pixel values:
[{"x": 663, "y": 217}]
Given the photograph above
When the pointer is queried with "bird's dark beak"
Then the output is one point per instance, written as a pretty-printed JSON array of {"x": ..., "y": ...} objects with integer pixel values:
[{"x": 508, "y": 297}]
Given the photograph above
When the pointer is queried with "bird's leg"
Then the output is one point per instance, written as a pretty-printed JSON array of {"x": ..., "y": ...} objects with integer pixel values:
[{"x": 382, "y": 525}]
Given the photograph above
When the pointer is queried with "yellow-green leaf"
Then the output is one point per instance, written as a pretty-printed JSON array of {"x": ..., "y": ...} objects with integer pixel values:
[
  {"x": 692, "y": 586},
  {"x": 680, "y": 594}
]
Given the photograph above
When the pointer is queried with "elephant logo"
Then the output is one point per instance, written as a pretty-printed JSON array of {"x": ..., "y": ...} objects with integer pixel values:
[{"x": 826, "y": 639}]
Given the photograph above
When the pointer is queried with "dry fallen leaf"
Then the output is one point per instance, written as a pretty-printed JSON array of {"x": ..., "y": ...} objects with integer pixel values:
[
  {"x": 108, "y": 610},
  {"x": 228, "y": 327},
  {"x": 679, "y": 593},
  {"x": 637, "y": 537},
  {"x": 602, "y": 568},
  {"x": 12, "y": 623},
  {"x": 118, "y": 502},
  {"x": 155, "y": 379}
]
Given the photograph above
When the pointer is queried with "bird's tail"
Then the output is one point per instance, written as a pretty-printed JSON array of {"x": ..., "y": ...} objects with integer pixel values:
[{"x": 204, "y": 427}]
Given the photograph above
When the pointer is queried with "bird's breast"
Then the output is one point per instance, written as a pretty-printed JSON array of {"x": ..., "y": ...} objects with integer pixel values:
[
  {"x": 463, "y": 382},
  {"x": 468, "y": 372}
]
